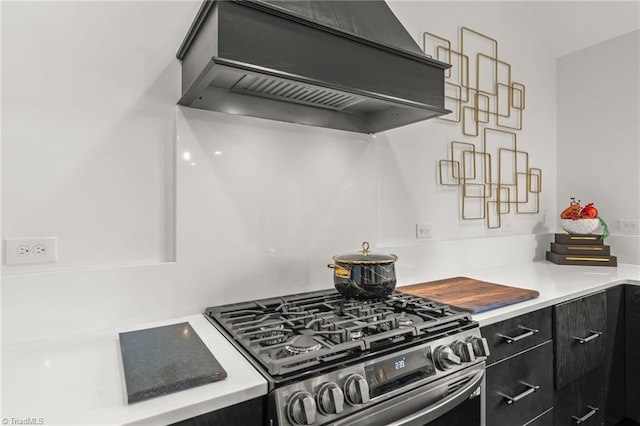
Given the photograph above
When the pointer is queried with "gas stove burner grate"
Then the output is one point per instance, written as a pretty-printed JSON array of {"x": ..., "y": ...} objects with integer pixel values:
[
  {"x": 406, "y": 320},
  {"x": 301, "y": 332}
]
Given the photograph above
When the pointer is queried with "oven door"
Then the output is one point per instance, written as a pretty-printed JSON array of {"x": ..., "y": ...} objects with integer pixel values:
[{"x": 453, "y": 400}]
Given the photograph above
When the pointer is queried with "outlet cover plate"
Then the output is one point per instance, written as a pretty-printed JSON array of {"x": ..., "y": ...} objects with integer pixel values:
[
  {"x": 25, "y": 251},
  {"x": 424, "y": 230},
  {"x": 629, "y": 226}
]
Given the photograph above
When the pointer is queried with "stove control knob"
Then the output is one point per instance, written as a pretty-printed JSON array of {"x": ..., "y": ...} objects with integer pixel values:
[
  {"x": 480, "y": 345},
  {"x": 464, "y": 350},
  {"x": 330, "y": 399},
  {"x": 356, "y": 390},
  {"x": 301, "y": 408},
  {"x": 445, "y": 358}
]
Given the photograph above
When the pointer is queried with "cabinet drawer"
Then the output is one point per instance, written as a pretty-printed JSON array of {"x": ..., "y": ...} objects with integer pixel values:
[
  {"x": 526, "y": 378},
  {"x": 545, "y": 419},
  {"x": 514, "y": 335},
  {"x": 579, "y": 327},
  {"x": 582, "y": 400},
  {"x": 247, "y": 413}
]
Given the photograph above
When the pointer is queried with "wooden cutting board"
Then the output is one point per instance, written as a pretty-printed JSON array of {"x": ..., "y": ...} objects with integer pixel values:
[{"x": 470, "y": 295}]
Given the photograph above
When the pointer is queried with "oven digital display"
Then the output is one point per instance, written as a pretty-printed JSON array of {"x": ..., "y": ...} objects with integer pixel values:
[{"x": 395, "y": 372}]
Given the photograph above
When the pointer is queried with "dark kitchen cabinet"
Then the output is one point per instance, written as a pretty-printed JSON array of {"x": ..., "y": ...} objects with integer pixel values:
[
  {"x": 247, "y": 413},
  {"x": 517, "y": 334},
  {"x": 520, "y": 388},
  {"x": 519, "y": 384},
  {"x": 632, "y": 343},
  {"x": 579, "y": 337},
  {"x": 594, "y": 365},
  {"x": 614, "y": 360},
  {"x": 581, "y": 402}
]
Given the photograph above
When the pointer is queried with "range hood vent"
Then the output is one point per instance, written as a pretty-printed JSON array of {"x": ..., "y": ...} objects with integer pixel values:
[
  {"x": 346, "y": 65},
  {"x": 290, "y": 91}
]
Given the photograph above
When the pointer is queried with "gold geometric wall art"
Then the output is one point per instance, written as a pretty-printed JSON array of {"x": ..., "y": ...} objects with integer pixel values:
[{"x": 493, "y": 173}]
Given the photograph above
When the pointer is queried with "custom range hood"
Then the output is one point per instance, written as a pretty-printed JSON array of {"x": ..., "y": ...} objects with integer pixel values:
[{"x": 346, "y": 65}]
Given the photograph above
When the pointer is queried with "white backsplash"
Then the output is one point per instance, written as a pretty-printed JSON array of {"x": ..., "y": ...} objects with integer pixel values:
[
  {"x": 262, "y": 206},
  {"x": 436, "y": 260},
  {"x": 62, "y": 303}
]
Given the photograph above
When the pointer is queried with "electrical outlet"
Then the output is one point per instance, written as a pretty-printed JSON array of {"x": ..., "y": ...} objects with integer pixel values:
[
  {"x": 22, "y": 251},
  {"x": 40, "y": 250},
  {"x": 629, "y": 226},
  {"x": 423, "y": 230}
]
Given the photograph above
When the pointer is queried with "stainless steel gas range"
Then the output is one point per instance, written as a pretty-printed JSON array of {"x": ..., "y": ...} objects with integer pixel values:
[{"x": 402, "y": 360}]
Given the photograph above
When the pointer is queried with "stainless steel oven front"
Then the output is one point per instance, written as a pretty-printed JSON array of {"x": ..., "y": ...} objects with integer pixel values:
[
  {"x": 456, "y": 400},
  {"x": 423, "y": 385}
]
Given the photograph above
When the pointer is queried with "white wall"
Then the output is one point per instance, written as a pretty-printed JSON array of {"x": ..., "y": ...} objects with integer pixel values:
[
  {"x": 88, "y": 95},
  {"x": 599, "y": 135},
  {"x": 265, "y": 216},
  {"x": 88, "y": 155},
  {"x": 408, "y": 156},
  {"x": 91, "y": 142}
]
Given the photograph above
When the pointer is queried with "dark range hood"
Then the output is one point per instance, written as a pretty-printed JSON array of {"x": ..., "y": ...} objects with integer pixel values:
[{"x": 346, "y": 65}]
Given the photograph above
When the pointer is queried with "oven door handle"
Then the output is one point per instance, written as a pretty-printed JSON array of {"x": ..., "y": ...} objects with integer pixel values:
[
  {"x": 441, "y": 407},
  {"x": 419, "y": 406}
]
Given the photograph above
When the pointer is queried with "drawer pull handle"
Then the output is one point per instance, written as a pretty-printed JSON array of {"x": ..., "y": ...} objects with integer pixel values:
[
  {"x": 594, "y": 334},
  {"x": 592, "y": 411},
  {"x": 529, "y": 332},
  {"x": 510, "y": 400}
]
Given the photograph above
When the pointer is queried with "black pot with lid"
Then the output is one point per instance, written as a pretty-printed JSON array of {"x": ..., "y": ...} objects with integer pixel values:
[{"x": 364, "y": 275}]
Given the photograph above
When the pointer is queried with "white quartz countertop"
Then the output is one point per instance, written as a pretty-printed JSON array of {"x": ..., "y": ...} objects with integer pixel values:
[
  {"x": 80, "y": 379},
  {"x": 555, "y": 283}
]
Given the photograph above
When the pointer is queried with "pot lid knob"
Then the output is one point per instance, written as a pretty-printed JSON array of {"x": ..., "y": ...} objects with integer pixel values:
[{"x": 365, "y": 248}]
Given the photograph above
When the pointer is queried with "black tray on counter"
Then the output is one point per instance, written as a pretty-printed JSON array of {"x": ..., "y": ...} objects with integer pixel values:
[{"x": 162, "y": 360}]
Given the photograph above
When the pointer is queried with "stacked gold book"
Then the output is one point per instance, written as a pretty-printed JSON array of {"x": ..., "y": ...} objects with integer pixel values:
[{"x": 574, "y": 249}]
